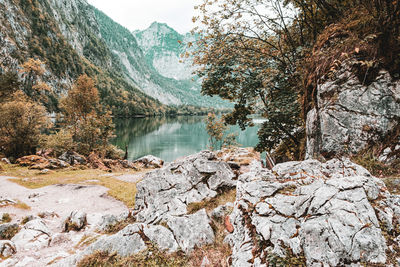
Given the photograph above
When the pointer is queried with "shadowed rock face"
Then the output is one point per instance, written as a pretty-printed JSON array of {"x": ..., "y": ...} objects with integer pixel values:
[
  {"x": 349, "y": 114},
  {"x": 325, "y": 212}
]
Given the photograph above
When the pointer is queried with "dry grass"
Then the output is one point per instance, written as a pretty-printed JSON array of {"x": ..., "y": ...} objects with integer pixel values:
[
  {"x": 86, "y": 240},
  {"x": 152, "y": 257},
  {"x": 6, "y": 218},
  {"x": 21, "y": 205},
  {"x": 120, "y": 190},
  {"x": 210, "y": 204},
  {"x": 393, "y": 184},
  {"x": 120, "y": 225}
]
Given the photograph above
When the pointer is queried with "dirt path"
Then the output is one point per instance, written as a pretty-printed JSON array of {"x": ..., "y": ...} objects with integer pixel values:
[{"x": 60, "y": 199}]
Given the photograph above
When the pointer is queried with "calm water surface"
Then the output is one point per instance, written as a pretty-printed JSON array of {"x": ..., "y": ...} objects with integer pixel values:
[{"x": 171, "y": 138}]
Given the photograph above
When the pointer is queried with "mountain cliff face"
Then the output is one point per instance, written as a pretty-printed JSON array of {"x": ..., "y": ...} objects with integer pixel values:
[
  {"x": 72, "y": 38},
  {"x": 162, "y": 77},
  {"x": 65, "y": 35},
  {"x": 163, "y": 47}
]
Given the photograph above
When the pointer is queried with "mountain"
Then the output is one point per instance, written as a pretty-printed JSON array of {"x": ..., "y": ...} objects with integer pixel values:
[
  {"x": 72, "y": 38},
  {"x": 175, "y": 86},
  {"x": 67, "y": 37},
  {"x": 162, "y": 47}
]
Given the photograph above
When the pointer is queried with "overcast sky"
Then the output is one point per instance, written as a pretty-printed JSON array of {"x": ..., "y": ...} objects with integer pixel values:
[{"x": 139, "y": 14}]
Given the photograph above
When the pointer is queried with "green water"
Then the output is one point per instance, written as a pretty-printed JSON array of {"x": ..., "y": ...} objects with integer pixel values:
[{"x": 170, "y": 138}]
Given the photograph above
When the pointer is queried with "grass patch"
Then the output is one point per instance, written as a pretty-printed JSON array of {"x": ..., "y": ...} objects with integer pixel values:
[
  {"x": 86, "y": 240},
  {"x": 369, "y": 161},
  {"x": 151, "y": 257},
  {"x": 113, "y": 229},
  {"x": 5, "y": 218},
  {"x": 120, "y": 190},
  {"x": 210, "y": 204},
  {"x": 393, "y": 184},
  {"x": 21, "y": 205}
]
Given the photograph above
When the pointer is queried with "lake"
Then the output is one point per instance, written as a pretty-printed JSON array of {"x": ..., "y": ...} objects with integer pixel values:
[{"x": 171, "y": 137}]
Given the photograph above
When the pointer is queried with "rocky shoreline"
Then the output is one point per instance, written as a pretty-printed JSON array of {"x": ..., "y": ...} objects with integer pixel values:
[{"x": 297, "y": 214}]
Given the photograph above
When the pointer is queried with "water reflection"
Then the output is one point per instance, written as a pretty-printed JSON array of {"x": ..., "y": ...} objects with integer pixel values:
[{"x": 170, "y": 138}]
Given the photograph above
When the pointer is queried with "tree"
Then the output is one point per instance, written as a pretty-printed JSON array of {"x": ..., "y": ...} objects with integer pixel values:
[
  {"x": 32, "y": 72},
  {"x": 21, "y": 123},
  {"x": 248, "y": 54},
  {"x": 269, "y": 55},
  {"x": 91, "y": 126},
  {"x": 216, "y": 129}
]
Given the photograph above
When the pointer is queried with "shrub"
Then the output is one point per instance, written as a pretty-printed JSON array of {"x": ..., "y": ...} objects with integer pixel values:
[
  {"x": 59, "y": 142},
  {"x": 216, "y": 129}
]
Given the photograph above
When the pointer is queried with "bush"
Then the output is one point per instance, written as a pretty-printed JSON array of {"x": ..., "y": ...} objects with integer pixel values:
[
  {"x": 216, "y": 129},
  {"x": 113, "y": 152},
  {"x": 59, "y": 142}
]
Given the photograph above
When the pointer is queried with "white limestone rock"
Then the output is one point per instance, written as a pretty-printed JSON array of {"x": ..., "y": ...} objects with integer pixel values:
[
  {"x": 325, "y": 211},
  {"x": 191, "y": 230}
]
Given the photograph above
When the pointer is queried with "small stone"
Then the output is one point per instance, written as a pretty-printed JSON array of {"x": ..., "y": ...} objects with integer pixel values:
[
  {"x": 205, "y": 262},
  {"x": 44, "y": 171},
  {"x": 150, "y": 161},
  {"x": 7, "y": 248},
  {"x": 228, "y": 224},
  {"x": 6, "y": 161},
  {"x": 221, "y": 211},
  {"x": 75, "y": 221}
]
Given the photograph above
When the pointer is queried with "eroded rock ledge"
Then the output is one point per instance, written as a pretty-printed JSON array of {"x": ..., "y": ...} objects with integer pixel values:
[
  {"x": 298, "y": 214},
  {"x": 332, "y": 214}
]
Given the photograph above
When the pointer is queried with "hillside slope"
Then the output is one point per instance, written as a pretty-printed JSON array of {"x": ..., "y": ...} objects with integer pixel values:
[{"x": 65, "y": 35}]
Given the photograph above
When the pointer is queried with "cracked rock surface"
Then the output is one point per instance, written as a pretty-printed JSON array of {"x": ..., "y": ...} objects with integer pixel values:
[
  {"x": 323, "y": 213},
  {"x": 169, "y": 190},
  {"x": 34, "y": 235},
  {"x": 349, "y": 114}
]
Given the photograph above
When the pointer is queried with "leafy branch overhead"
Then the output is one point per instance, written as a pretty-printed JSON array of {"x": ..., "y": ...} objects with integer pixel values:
[{"x": 267, "y": 56}]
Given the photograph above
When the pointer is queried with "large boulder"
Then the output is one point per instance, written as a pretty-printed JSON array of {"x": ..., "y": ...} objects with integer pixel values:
[
  {"x": 40, "y": 163},
  {"x": 150, "y": 161},
  {"x": 349, "y": 115},
  {"x": 73, "y": 158},
  {"x": 192, "y": 230},
  {"x": 129, "y": 241},
  {"x": 329, "y": 214},
  {"x": 169, "y": 190}
]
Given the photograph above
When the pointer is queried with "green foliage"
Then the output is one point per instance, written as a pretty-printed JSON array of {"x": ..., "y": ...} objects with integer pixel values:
[
  {"x": 216, "y": 129},
  {"x": 272, "y": 61},
  {"x": 252, "y": 62}
]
